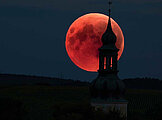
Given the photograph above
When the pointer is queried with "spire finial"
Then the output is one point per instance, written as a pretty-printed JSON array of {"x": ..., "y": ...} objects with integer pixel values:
[
  {"x": 109, "y": 20},
  {"x": 110, "y": 8},
  {"x": 109, "y": 36}
]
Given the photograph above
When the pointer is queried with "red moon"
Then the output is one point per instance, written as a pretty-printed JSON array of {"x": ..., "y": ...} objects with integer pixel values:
[{"x": 84, "y": 38}]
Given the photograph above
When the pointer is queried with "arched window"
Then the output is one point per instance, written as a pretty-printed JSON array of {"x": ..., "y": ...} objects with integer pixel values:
[
  {"x": 111, "y": 63},
  {"x": 104, "y": 63}
]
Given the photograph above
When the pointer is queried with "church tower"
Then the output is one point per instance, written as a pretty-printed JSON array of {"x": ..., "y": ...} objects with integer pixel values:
[{"x": 107, "y": 90}]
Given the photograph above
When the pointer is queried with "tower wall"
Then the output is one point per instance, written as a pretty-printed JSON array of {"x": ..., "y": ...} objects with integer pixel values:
[{"x": 120, "y": 107}]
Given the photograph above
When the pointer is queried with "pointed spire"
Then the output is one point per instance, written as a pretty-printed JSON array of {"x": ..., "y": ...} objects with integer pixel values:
[
  {"x": 109, "y": 20},
  {"x": 110, "y": 7},
  {"x": 109, "y": 37}
]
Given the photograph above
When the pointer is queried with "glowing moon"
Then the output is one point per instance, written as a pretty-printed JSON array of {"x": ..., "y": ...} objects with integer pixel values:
[{"x": 84, "y": 38}]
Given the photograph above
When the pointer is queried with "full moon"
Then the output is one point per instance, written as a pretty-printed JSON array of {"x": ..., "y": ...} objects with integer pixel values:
[{"x": 83, "y": 39}]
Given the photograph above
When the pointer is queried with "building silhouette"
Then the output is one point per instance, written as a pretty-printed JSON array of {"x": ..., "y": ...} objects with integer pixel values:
[{"x": 107, "y": 90}]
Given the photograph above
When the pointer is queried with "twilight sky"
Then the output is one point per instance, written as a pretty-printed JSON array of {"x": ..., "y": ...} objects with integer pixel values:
[{"x": 32, "y": 36}]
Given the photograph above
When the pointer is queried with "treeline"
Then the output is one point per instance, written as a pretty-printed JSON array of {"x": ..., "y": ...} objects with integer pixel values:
[
  {"x": 14, "y": 79},
  {"x": 143, "y": 83},
  {"x": 131, "y": 83}
]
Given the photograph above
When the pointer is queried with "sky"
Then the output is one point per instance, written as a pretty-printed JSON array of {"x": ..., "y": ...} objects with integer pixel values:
[{"x": 33, "y": 32}]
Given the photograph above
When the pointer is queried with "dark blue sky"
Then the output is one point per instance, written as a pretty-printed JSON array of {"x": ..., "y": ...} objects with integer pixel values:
[{"x": 32, "y": 36}]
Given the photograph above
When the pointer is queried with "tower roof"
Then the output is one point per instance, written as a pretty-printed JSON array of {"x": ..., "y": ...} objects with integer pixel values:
[
  {"x": 109, "y": 37},
  {"x": 107, "y": 87}
]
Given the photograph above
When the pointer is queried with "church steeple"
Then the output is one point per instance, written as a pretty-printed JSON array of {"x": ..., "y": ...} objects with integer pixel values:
[
  {"x": 109, "y": 36},
  {"x": 107, "y": 84},
  {"x": 108, "y": 53},
  {"x": 107, "y": 90}
]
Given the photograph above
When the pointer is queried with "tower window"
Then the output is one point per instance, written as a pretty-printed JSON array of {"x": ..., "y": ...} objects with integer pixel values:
[
  {"x": 104, "y": 62},
  {"x": 111, "y": 63}
]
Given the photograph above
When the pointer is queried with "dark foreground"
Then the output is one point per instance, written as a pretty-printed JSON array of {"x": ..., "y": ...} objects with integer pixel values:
[{"x": 51, "y": 103}]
